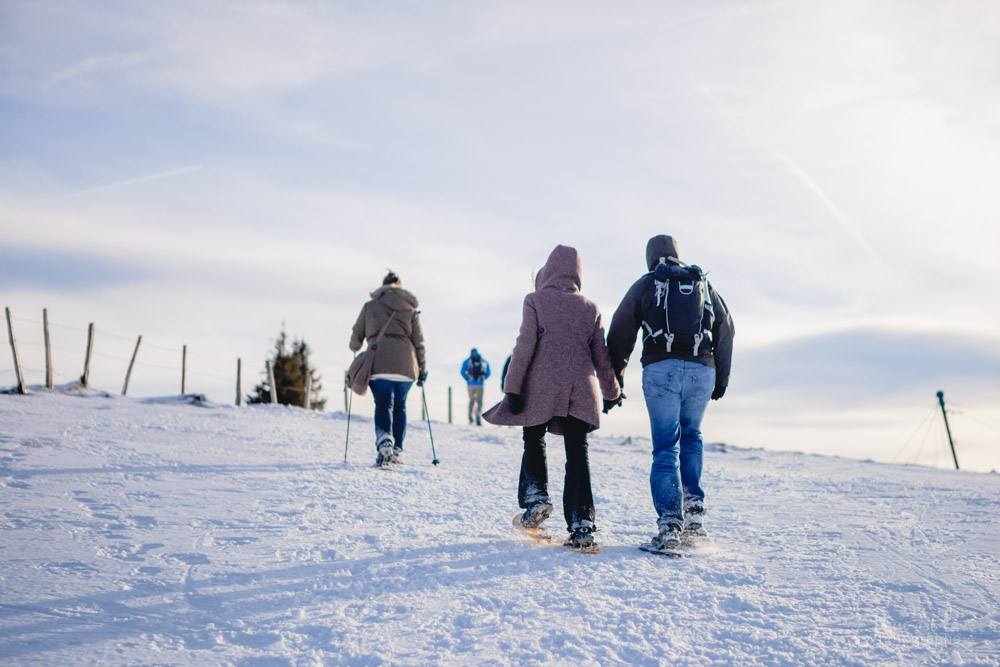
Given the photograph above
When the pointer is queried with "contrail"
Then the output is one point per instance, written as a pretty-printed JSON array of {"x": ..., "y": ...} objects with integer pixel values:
[
  {"x": 824, "y": 198},
  {"x": 132, "y": 181},
  {"x": 796, "y": 170}
]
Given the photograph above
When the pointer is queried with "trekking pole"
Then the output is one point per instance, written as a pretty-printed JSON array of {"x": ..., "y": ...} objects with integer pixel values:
[
  {"x": 347, "y": 440},
  {"x": 428, "y": 416}
]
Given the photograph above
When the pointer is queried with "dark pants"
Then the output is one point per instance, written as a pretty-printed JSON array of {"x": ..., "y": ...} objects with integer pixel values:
[
  {"x": 390, "y": 409},
  {"x": 578, "y": 500}
]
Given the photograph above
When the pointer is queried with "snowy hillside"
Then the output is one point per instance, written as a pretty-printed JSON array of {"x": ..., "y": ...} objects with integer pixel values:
[{"x": 166, "y": 533}]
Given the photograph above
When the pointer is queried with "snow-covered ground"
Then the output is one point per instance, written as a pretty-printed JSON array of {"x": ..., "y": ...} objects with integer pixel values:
[{"x": 165, "y": 533}]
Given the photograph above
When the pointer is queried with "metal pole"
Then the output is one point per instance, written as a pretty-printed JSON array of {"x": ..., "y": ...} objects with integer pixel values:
[
  {"x": 947, "y": 428},
  {"x": 48, "y": 349},
  {"x": 423, "y": 394},
  {"x": 17, "y": 363},
  {"x": 347, "y": 439},
  {"x": 128, "y": 373},
  {"x": 85, "y": 378},
  {"x": 270, "y": 379}
]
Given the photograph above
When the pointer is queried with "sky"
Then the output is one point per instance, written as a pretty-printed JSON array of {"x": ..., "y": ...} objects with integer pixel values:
[{"x": 205, "y": 174}]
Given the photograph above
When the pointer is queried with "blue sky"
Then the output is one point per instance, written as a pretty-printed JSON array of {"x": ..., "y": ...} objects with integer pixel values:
[{"x": 201, "y": 173}]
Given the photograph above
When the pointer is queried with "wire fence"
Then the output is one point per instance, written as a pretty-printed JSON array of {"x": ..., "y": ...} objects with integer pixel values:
[{"x": 160, "y": 368}]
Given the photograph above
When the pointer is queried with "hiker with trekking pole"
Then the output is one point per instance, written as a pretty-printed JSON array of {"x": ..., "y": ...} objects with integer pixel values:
[{"x": 390, "y": 323}]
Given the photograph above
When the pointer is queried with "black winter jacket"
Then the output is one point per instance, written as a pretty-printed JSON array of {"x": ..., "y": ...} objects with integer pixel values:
[{"x": 628, "y": 318}]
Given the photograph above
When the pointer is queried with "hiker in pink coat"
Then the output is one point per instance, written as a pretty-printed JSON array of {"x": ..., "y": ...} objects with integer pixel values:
[{"x": 551, "y": 386}]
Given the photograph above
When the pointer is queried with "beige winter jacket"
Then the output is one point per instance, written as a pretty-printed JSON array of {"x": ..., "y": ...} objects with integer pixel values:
[
  {"x": 401, "y": 351},
  {"x": 559, "y": 348}
]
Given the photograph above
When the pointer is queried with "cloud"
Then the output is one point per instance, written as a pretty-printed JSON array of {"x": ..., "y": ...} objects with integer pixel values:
[
  {"x": 864, "y": 366},
  {"x": 32, "y": 267}
]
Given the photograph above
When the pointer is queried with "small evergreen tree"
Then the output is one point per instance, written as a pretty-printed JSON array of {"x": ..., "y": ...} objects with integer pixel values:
[{"x": 291, "y": 368}]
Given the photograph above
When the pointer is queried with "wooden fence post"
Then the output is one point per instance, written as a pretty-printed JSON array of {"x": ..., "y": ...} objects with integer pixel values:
[
  {"x": 270, "y": 380},
  {"x": 449, "y": 405},
  {"x": 17, "y": 362},
  {"x": 48, "y": 349},
  {"x": 309, "y": 384},
  {"x": 184, "y": 363},
  {"x": 85, "y": 378},
  {"x": 239, "y": 393},
  {"x": 128, "y": 373}
]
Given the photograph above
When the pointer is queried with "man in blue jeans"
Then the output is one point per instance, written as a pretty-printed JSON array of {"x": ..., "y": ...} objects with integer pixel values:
[{"x": 687, "y": 350}]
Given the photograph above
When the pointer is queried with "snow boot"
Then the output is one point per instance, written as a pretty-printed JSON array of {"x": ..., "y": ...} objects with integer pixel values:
[
  {"x": 535, "y": 514},
  {"x": 668, "y": 539},
  {"x": 397, "y": 456},
  {"x": 694, "y": 521},
  {"x": 582, "y": 538},
  {"x": 385, "y": 451}
]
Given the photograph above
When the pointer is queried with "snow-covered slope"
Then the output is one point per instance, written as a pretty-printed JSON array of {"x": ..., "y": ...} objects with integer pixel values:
[{"x": 158, "y": 533}]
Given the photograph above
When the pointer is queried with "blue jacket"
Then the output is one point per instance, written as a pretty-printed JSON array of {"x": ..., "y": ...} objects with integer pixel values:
[{"x": 468, "y": 378}]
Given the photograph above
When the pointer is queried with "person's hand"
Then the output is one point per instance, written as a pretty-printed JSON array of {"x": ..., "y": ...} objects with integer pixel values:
[
  {"x": 720, "y": 391},
  {"x": 515, "y": 402},
  {"x": 421, "y": 378},
  {"x": 621, "y": 380},
  {"x": 611, "y": 404}
]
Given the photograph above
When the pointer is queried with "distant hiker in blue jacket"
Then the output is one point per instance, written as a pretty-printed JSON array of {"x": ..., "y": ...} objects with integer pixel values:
[{"x": 475, "y": 370}]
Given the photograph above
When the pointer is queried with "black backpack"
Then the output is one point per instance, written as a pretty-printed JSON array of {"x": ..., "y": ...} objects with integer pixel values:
[
  {"x": 677, "y": 310},
  {"x": 476, "y": 369}
]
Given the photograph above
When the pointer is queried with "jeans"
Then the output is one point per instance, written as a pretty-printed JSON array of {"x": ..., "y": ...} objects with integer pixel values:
[
  {"x": 390, "y": 410},
  {"x": 677, "y": 393},
  {"x": 533, "y": 487}
]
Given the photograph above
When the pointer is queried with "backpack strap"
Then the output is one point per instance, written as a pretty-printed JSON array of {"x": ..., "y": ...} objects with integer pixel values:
[{"x": 382, "y": 332}]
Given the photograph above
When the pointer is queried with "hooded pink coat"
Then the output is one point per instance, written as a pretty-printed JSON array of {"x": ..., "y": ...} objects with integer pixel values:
[{"x": 560, "y": 345}]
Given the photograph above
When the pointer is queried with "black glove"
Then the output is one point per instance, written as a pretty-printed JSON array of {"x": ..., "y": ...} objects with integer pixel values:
[
  {"x": 515, "y": 402},
  {"x": 421, "y": 378},
  {"x": 720, "y": 391},
  {"x": 611, "y": 404}
]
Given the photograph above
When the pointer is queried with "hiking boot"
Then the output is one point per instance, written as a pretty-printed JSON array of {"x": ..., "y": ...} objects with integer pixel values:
[
  {"x": 536, "y": 514},
  {"x": 694, "y": 519},
  {"x": 582, "y": 538},
  {"x": 669, "y": 537},
  {"x": 397, "y": 456},
  {"x": 385, "y": 451}
]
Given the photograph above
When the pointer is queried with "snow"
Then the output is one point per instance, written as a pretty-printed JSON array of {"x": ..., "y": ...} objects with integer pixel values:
[{"x": 165, "y": 532}]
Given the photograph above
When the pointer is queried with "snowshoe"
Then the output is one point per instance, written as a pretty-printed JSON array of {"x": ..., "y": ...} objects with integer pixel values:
[
  {"x": 667, "y": 553},
  {"x": 534, "y": 532},
  {"x": 694, "y": 532},
  {"x": 666, "y": 543},
  {"x": 535, "y": 514},
  {"x": 582, "y": 540}
]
